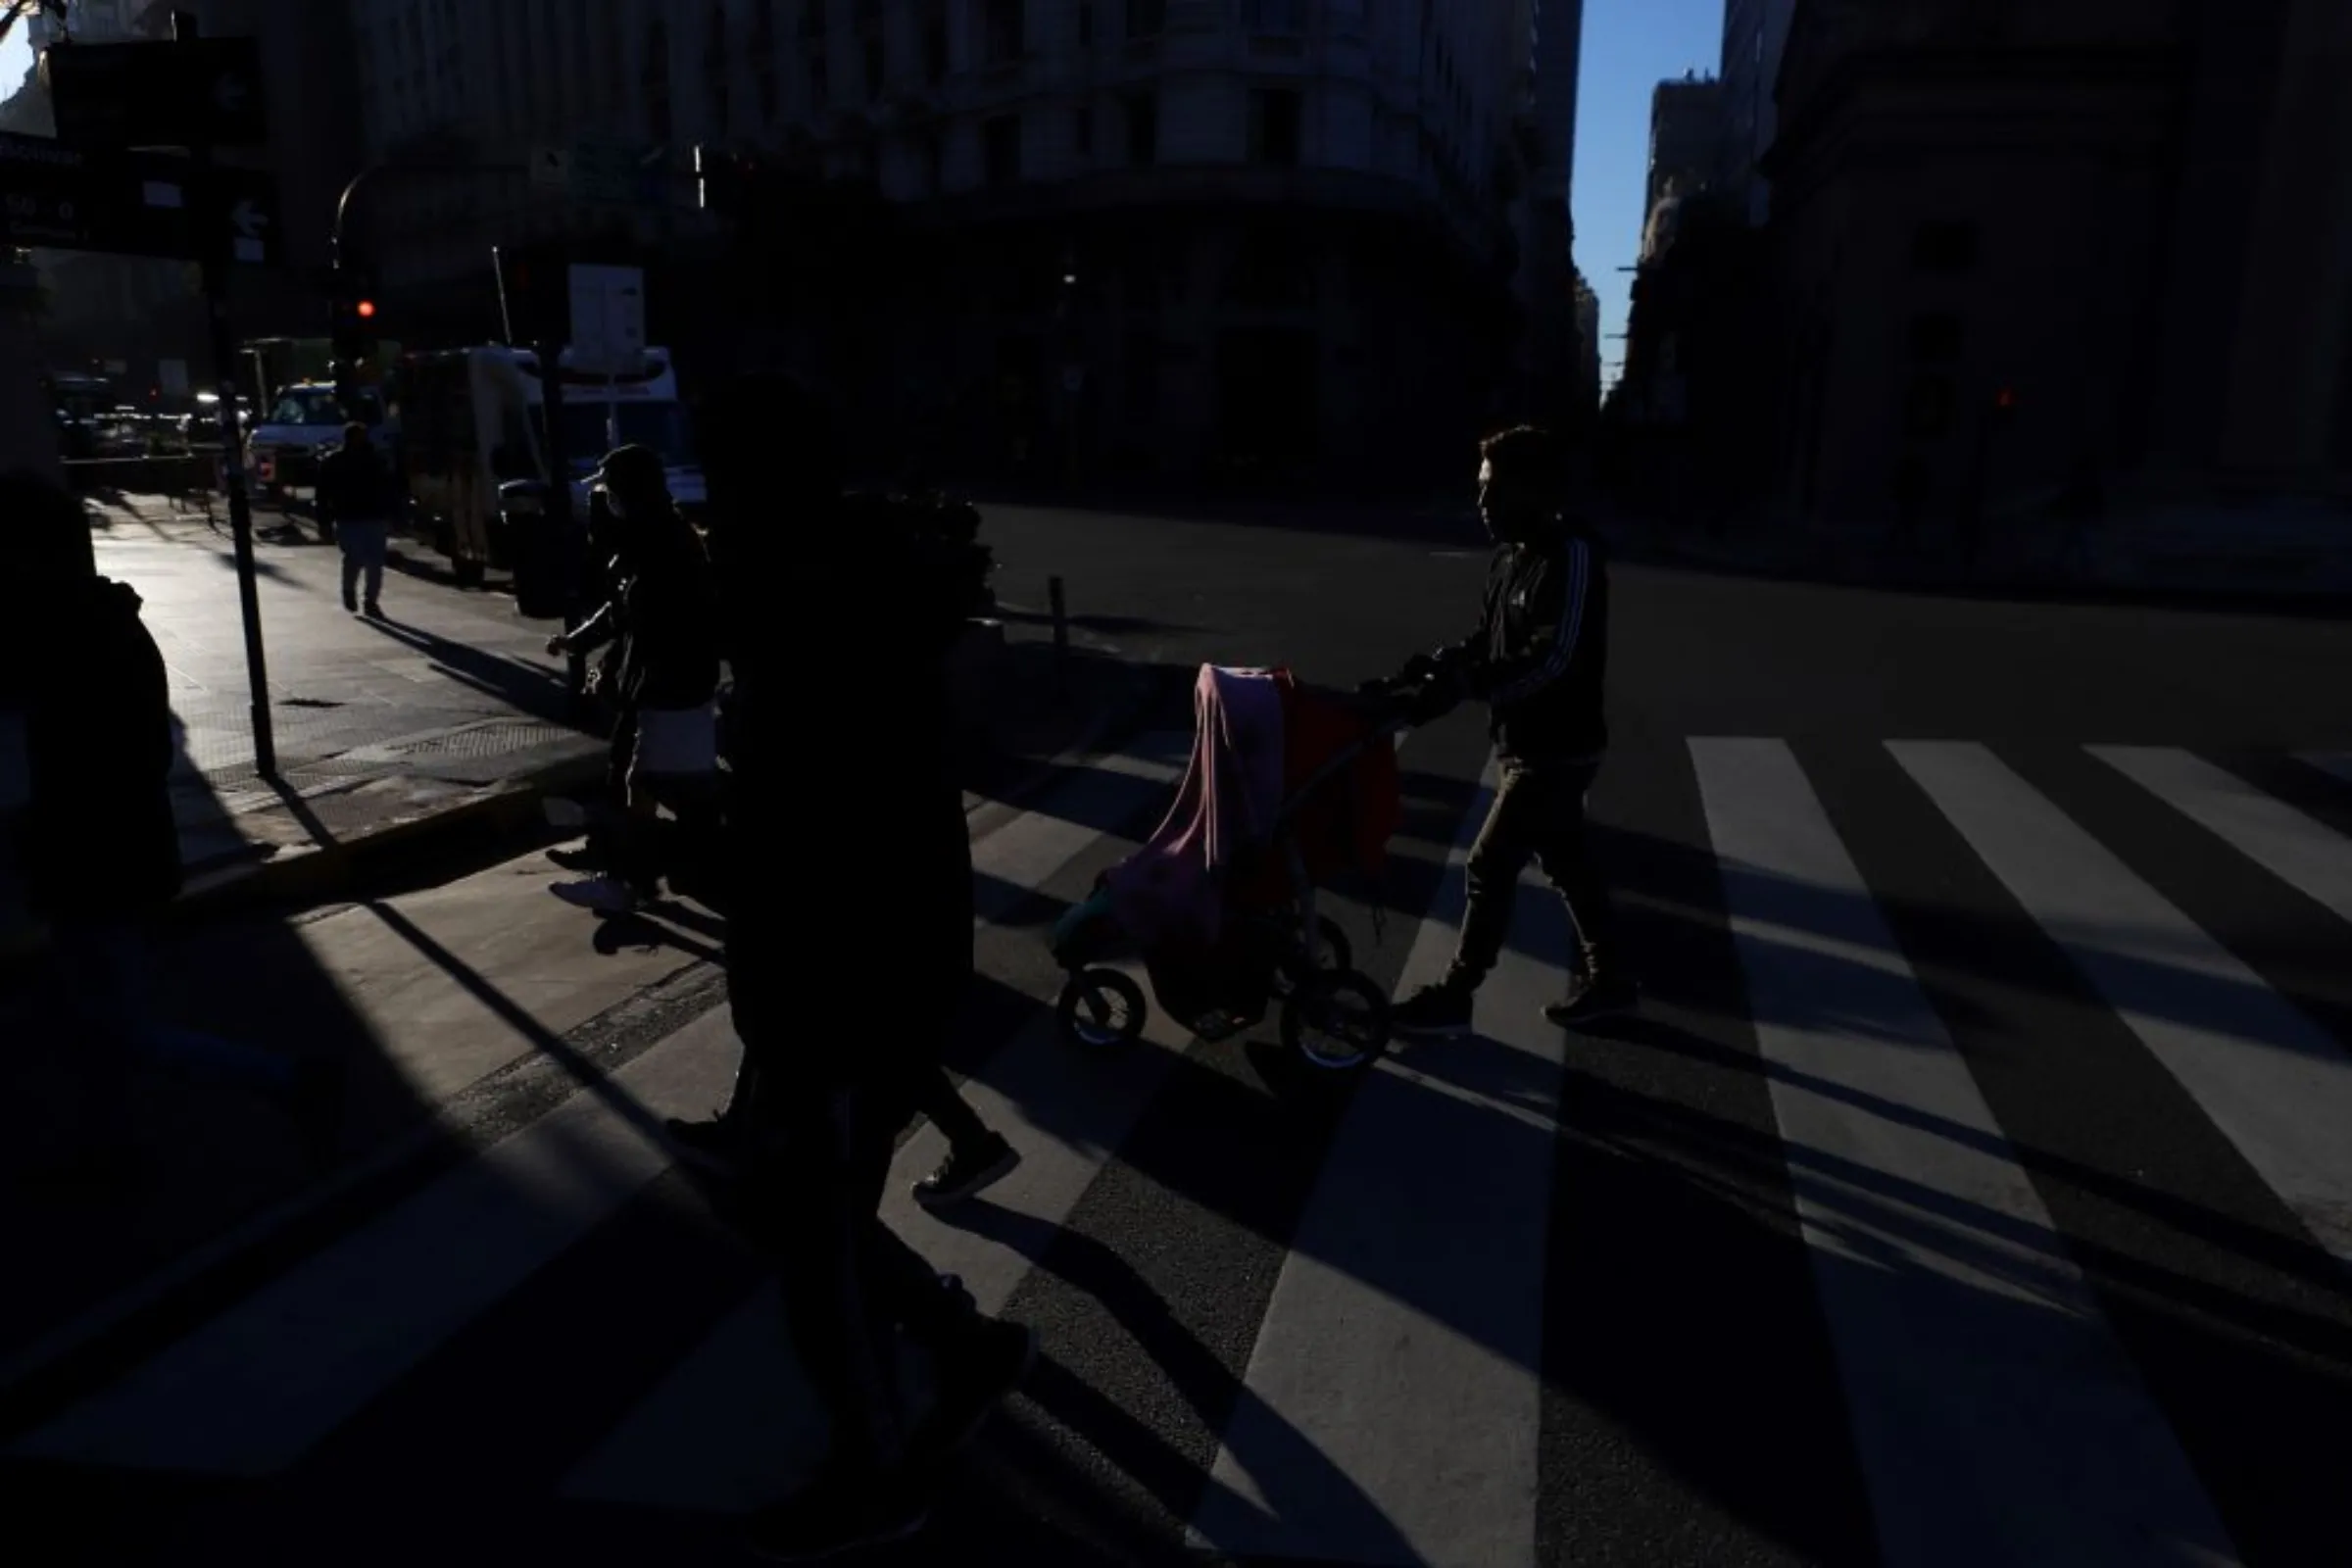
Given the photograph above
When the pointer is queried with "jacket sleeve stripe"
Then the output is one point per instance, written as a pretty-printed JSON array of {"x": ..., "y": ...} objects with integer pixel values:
[{"x": 1563, "y": 646}]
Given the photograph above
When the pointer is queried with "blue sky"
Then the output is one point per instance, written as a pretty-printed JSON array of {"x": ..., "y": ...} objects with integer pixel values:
[{"x": 1630, "y": 47}]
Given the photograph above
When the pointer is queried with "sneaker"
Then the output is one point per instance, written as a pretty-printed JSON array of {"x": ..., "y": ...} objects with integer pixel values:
[
  {"x": 351, "y": 602},
  {"x": 973, "y": 1382},
  {"x": 966, "y": 1171},
  {"x": 372, "y": 610},
  {"x": 838, "y": 1514},
  {"x": 1433, "y": 1012},
  {"x": 1608, "y": 997},
  {"x": 602, "y": 894},
  {"x": 582, "y": 859}
]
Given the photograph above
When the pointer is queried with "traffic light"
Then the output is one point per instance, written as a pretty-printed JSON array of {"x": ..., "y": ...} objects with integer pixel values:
[{"x": 356, "y": 319}]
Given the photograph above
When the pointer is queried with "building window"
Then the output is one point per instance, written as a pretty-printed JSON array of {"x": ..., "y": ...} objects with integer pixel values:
[
  {"x": 934, "y": 45},
  {"x": 714, "y": 68},
  {"x": 1082, "y": 134},
  {"x": 1271, "y": 16},
  {"x": 657, "y": 84},
  {"x": 1146, "y": 19},
  {"x": 1142, "y": 128},
  {"x": 763, "y": 61},
  {"x": 1000, "y": 32},
  {"x": 1001, "y": 150},
  {"x": 1274, "y": 124},
  {"x": 1141, "y": 392},
  {"x": 1944, "y": 248}
]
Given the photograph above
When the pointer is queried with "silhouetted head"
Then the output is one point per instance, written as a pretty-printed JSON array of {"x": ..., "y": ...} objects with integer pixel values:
[
  {"x": 636, "y": 479},
  {"x": 355, "y": 438},
  {"x": 1522, "y": 483},
  {"x": 45, "y": 535}
]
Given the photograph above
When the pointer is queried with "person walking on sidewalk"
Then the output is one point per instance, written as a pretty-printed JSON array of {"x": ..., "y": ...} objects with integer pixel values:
[
  {"x": 99, "y": 840},
  {"x": 358, "y": 499},
  {"x": 1539, "y": 659},
  {"x": 886, "y": 848},
  {"x": 664, "y": 685}
]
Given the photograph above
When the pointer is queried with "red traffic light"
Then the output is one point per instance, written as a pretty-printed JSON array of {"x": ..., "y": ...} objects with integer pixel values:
[{"x": 365, "y": 310}]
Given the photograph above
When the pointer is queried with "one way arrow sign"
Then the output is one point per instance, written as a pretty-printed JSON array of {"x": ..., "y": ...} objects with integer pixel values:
[{"x": 251, "y": 224}]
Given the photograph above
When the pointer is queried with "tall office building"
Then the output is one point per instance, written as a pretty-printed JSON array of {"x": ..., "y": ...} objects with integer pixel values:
[{"x": 1755, "y": 36}]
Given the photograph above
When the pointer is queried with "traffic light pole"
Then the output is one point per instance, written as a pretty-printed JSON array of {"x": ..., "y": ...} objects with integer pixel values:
[{"x": 232, "y": 452}]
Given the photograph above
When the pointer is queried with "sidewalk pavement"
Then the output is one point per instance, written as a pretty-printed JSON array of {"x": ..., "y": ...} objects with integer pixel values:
[
  {"x": 449, "y": 1011},
  {"x": 447, "y": 702},
  {"x": 454, "y": 1014},
  {"x": 445, "y": 714}
]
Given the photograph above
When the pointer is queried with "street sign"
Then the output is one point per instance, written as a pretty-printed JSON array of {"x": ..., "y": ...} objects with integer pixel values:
[
  {"x": 199, "y": 92},
  {"x": 608, "y": 318},
  {"x": 139, "y": 204}
]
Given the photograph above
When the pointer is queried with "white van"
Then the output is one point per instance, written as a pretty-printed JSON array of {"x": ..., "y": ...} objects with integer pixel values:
[{"x": 473, "y": 420}]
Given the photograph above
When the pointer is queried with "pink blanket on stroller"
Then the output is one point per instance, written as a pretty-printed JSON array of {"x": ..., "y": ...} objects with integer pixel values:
[{"x": 1229, "y": 801}]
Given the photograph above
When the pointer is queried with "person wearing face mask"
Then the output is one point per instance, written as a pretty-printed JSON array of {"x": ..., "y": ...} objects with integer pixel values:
[{"x": 1539, "y": 659}]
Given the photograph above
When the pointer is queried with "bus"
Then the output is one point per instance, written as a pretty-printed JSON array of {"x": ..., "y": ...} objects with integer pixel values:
[{"x": 475, "y": 419}]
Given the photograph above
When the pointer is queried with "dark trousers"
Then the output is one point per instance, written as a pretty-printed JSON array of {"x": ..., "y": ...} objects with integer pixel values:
[
  {"x": 938, "y": 1098},
  {"x": 1539, "y": 814},
  {"x": 851, "y": 1285}
]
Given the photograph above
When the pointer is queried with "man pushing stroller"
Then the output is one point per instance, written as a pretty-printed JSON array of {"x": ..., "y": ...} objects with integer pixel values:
[{"x": 1539, "y": 659}]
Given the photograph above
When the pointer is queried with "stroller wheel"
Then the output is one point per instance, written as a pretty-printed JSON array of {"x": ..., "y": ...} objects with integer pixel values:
[
  {"x": 1338, "y": 1022},
  {"x": 1328, "y": 952},
  {"x": 1101, "y": 1009}
]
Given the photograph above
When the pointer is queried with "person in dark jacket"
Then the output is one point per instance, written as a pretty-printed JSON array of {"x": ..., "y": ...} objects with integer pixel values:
[
  {"x": 843, "y": 782},
  {"x": 100, "y": 843},
  {"x": 358, "y": 499},
  {"x": 663, "y": 682},
  {"x": 1539, "y": 659}
]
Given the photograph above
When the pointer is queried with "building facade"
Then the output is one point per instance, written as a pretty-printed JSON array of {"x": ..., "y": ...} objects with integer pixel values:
[
  {"x": 1153, "y": 237},
  {"x": 2074, "y": 251},
  {"x": 1755, "y": 37},
  {"x": 1685, "y": 139},
  {"x": 1548, "y": 275}
]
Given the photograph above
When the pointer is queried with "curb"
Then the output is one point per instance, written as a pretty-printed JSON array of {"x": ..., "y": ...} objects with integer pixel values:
[{"x": 321, "y": 876}]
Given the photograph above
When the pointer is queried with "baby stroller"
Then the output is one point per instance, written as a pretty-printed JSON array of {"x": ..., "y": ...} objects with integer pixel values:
[{"x": 1288, "y": 790}]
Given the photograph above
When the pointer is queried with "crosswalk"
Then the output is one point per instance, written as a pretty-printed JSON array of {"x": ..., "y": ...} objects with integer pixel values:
[{"x": 2045, "y": 1311}]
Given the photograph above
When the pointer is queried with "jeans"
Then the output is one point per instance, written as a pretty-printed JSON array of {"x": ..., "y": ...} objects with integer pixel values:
[
  {"x": 1539, "y": 814},
  {"x": 365, "y": 542}
]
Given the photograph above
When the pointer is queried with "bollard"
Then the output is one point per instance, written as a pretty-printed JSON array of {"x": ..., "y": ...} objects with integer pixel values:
[{"x": 1062, "y": 636}]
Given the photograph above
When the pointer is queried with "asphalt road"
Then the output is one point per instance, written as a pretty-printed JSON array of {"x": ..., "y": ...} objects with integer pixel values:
[{"x": 1971, "y": 1189}]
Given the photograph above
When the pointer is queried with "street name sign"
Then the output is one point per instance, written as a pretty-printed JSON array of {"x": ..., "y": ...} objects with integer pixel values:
[
  {"x": 200, "y": 92},
  {"x": 137, "y": 204}
]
